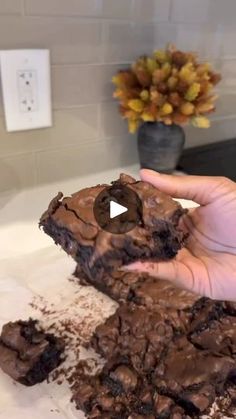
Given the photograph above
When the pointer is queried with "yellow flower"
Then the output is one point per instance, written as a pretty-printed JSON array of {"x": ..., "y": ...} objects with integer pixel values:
[
  {"x": 193, "y": 92},
  {"x": 136, "y": 105},
  {"x": 201, "y": 122},
  {"x": 144, "y": 95},
  {"x": 152, "y": 65},
  {"x": 184, "y": 73},
  {"x": 161, "y": 56},
  {"x": 166, "y": 109},
  {"x": 166, "y": 68},
  {"x": 187, "y": 74},
  {"x": 187, "y": 108},
  {"x": 147, "y": 117},
  {"x": 116, "y": 80},
  {"x": 133, "y": 126},
  {"x": 172, "y": 82}
]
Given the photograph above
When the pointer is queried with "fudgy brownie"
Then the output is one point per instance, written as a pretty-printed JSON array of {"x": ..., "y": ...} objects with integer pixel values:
[
  {"x": 71, "y": 223},
  {"x": 213, "y": 327},
  {"x": 184, "y": 356},
  {"x": 217, "y": 336},
  {"x": 118, "y": 392},
  {"x": 192, "y": 377},
  {"x": 27, "y": 353},
  {"x": 139, "y": 333},
  {"x": 140, "y": 289}
]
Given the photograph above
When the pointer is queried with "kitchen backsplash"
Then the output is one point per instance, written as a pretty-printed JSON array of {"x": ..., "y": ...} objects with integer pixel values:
[{"x": 89, "y": 40}]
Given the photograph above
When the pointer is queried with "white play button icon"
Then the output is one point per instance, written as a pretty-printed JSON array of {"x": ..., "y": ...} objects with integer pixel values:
[{"x": 116, "y": 209}]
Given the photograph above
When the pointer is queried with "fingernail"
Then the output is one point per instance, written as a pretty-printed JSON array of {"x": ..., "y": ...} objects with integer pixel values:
[{"x": 127, "y": 268}]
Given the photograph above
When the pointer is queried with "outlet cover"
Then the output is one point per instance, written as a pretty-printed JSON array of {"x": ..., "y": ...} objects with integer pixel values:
[{"x": 26, "y": 87}]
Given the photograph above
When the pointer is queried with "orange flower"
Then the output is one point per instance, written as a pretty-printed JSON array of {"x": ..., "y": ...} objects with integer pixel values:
[
  {"x": 175, "y": 99},
  {"x": 143, "y": 76},
  {"x": 187, "y": 108}
]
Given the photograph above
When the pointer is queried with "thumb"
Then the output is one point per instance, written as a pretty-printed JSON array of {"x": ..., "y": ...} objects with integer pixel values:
[{"x": 201, "y": 189}]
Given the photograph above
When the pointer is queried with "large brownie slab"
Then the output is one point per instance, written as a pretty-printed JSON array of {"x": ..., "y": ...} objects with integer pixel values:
[
  {"x": 71, "y": 223},
  {"x": 118, "y": 392},
  {"x": 138, "y": 333},
  {"x": 153, "y": 292},
  {"x": 176, "y": 351},
  {"x": 27, "y": 353},
  {"x": 193, "y": 377}
]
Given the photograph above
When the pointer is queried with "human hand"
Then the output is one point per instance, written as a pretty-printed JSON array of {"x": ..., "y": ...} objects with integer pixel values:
[{"x": 207, "y": 265}]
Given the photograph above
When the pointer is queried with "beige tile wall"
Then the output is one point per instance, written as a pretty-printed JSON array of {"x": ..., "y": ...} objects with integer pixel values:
[{"x": 89, "y": 40}]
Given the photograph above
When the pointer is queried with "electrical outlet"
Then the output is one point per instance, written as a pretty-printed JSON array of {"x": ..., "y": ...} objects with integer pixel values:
[
  {"x": 26, "y": 87},
  {"x": 28, "y": 90}
]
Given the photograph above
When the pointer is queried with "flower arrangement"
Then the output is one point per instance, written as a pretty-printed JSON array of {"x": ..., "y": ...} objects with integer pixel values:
[{"x": 170, "y": 86}]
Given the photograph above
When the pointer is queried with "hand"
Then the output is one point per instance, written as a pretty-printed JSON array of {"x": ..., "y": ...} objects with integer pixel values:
[{"x": 207, "y": 265}]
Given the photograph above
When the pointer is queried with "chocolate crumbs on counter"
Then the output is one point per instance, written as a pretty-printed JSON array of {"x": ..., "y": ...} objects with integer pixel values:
[{"x": 74, "y": 320}]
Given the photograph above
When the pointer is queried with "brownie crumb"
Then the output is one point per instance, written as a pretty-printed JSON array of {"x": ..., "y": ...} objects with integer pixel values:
[{"x": 28, "y": 353}]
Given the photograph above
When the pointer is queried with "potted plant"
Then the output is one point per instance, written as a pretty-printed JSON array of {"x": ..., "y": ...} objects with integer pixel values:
[{"x": 159, "y": 94}]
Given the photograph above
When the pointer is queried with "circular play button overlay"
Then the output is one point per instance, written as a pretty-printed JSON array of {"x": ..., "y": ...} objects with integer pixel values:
[{"x": 118, "y": 209}]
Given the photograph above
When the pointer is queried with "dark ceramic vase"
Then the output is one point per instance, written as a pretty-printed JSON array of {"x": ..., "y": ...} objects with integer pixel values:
[{"x": 160, "y": 146}]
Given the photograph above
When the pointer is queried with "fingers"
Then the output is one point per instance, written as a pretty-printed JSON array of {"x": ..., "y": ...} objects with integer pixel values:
[
  {"x": 171, "y": 271},
  {"x": 201, "y": 189},
  {"x": 185, "y": 272}
]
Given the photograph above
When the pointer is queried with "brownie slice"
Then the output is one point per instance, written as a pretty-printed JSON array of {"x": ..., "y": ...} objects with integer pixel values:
[
  {"x": 27, "y": 353},
  {"x": 138, "y": 333},
  {"x": 71, "y": 223},
  {"x": 139, "y": 288},
  {"x": 193, "y": 377},
  {"x": 118, "y": 392}
]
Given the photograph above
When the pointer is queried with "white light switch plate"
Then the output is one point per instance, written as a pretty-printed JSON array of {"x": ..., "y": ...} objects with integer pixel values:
[{"x": 26, "y": 87}]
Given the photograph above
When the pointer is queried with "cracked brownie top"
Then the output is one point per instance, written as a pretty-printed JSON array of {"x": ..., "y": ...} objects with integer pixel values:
[{"x": 71, "y": 223}]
